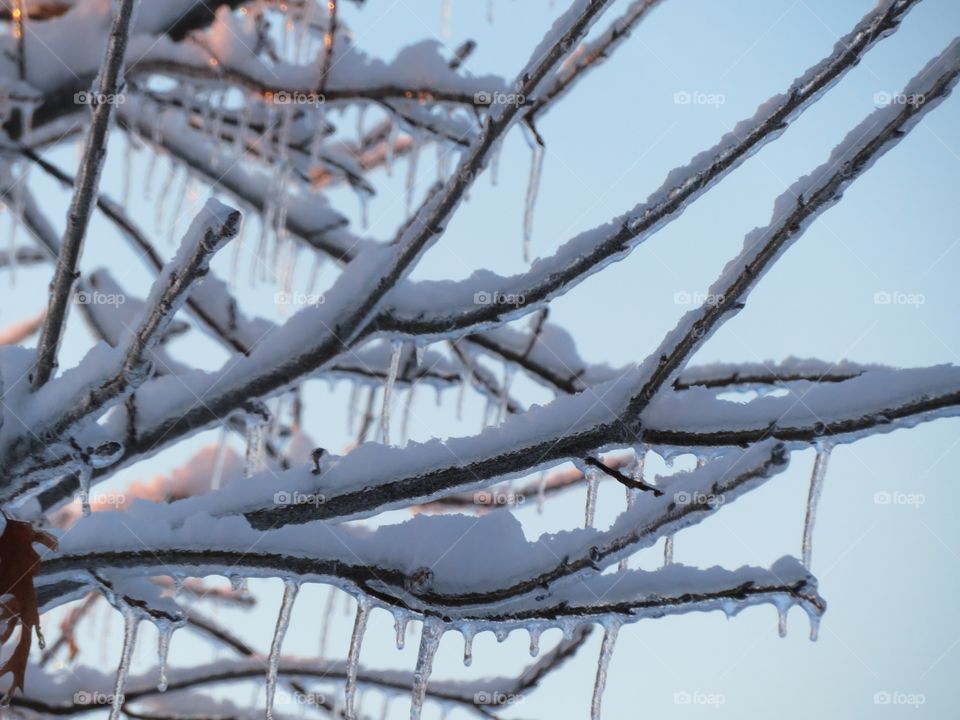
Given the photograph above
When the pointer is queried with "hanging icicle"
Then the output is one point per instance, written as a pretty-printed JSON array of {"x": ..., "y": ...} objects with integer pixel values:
[
  {"x": 253, "y": 460},
  {"x": 163, "y": 652},
  {"x": 290, "y": 590},
  {"x": 590, "y": 509},
  {"x": 83, "y": 477},
  {"x": 400, "y": 626},
  {"x": 813, "y": 499},
  {"x": 388, "y": 391},
  {"x": 327, "y": 618},
  {"x": 533, "y": 188},
  {"x": 131, "y": 624},
  {"x": 468, "y": 634},
  {"x": 429, "y": 642},
  {"x": 415, "y": 141},
  {"x": 353, "y": 657},
  {"x": 611, "y": 630}
]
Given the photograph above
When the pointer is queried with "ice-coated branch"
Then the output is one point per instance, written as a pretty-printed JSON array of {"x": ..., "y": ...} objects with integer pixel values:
[
  {"x": 103, "y": 378},
  {"x": 592, "y": 250},
  {"x": 590, "y": 56},
  {"x": 109, "y": 84}
]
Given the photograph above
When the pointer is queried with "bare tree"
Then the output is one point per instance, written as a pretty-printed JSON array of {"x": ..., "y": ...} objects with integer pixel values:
[{"x": 240, "y": 95}]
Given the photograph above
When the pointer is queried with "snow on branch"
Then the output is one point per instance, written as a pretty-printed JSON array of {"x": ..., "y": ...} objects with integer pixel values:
[{"x": 109, "y": 83}]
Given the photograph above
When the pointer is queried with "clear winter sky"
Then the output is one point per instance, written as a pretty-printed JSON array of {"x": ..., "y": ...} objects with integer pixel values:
[{"x": 890, "y": 572}]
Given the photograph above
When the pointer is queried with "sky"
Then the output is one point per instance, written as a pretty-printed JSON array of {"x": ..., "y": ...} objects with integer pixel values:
[{"x": 887, "y": 549}]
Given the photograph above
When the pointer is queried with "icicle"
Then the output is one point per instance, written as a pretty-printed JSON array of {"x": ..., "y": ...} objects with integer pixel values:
[
  {"x": 590, "y": 510},
  {"x": 534, "y": 640},
  {"x": 400, "y": 625},
  {"x": 446, "y": 19},
  {"x": 508, "y": 370},
  {"x": 390, "y": 150},
  {"x": 216, "y": 475},
  {"x": 165, "y": 191},
  {"x": 353, "y": 657},
  {"x": 606, "y": 652},
  {"x": 364, "y": 198},
  {"x": 429, "y": 642},
  {"x": 533, "y": 187},
  {"x": 16, "y": 212},
  {"x": 468, "y": 634},
  {"x": 163, "y": 651},
  {"x": 131, "y": 623},
  {"x": 253, "y": 460},
  {"x": 352, "y": 407},
  {"x": 238, "y": 584},
  {"x": 814, "y": 626},
  {"x": 419, "y": 351},
  {"x": 151, "y": 168},
  {"x": 127, "y": 169},
  {"x": 412, "y": 171},
  {"x": 668, "y": 551},
  {"x": 83, "y": 476},
  {"x": 327, "y": 616},
  {"x": 177, "y": 208},
  {"x": 388, "y": 391},
  {"x": 501, "y": 634},
  {"x": 290, "y": 590},
  {"x": 541, "y": 492},
  {"x": 813, "y": 499},
  {"x": 461, "y": 393},
  {"x": 407, "y": 412},
  {"x": 781, "y": 622}
]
